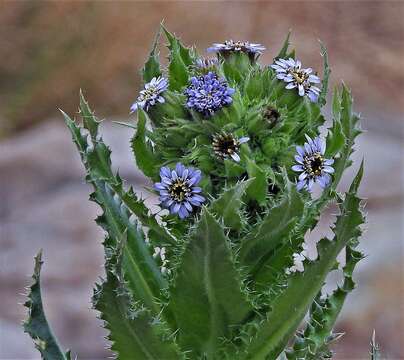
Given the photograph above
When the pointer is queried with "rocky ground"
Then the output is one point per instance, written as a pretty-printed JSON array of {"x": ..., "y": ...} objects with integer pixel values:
[{"x": 44, "y": 205}]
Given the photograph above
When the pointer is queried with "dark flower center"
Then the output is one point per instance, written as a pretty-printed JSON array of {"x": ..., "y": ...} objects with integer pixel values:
[
  {"x": 225, "y": 145},
  {"x": 179, "y": 190},
  {"x": 300, "y": 76},
  {"x": 271, "y": 115},
  {"x": 314, "y": 164},
  {"x": 237, "y": 45},
  {"x": 148, "y": 93}
]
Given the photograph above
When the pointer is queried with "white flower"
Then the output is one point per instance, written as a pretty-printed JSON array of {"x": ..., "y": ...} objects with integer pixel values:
[
  {"x": 291, "y": 72},
  {"x": 161, "y": 253},
  {"x": 151, "y": 94},
  {"x": 298, "y": 259}
]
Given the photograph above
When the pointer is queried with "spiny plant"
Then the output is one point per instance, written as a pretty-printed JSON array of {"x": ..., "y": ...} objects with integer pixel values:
[{"x": 221, "y": 271}]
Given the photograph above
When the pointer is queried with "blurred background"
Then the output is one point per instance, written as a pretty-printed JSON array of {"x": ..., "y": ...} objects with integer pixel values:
[{"x": 49, "y": 50}]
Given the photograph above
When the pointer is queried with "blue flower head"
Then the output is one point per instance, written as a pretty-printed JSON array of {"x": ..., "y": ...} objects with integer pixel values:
[
  {"x": 291, "y": 72},
  {"x": 151, "y": 94},
  {"x": 312, "y": 165},
  {"x": 208, "y": 93},
  {"x": 179, "y": 191}
]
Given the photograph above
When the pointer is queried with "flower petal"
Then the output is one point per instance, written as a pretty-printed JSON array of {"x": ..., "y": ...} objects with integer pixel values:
[
  {"x": 179, "y": 168},
  {"x": 310, "y": 184},
  {"x": 300, "y": 185},
  {"x": 328, "y": 161},
  {"x": 328, "y": 169},
  {"x": 302, "y": 176},
  {"x": 299, "y": 159},
  {"x": 165, "y": 171},
  {"x": 235, "y": 157},
  {"x": 159, "y": 186},
  {"x": 183, "y": 212},
  {"x": 297, "y": 168}
]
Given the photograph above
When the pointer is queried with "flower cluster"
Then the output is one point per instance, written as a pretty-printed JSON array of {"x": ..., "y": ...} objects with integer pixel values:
[
  {"x": 237, "y": 46},
  {"x": 208, "y": 93},
  {"x": 151, "y": 94},
  {"x": 312, "y": 165},
  {"x": 291, "y": 72},
  {"x": 179, "y": 191},
  {"x": 227, "y": 146}
]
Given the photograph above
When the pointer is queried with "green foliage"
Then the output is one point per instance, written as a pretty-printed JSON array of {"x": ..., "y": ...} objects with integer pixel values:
[
  {"x": 37, "y": 325},
  {"x": 135, "y": 332},
  {"x": 314, "y": 342},
  {"x": 228, "y": 205},
  {"x": 151, "y": 68},
  {"x": 146, "y": 160},
  {"x": 272, "y": 230},
  {"x": 119, "y": 206},
  {"x": 208, "y": 286},
  {"x": 274, "y": 332},
  {"x": 349, "y": 130},
  {"x": 180, "y": 57},
  {"x": 326, "y": 74},
  {"x": 218, "y": 284}
]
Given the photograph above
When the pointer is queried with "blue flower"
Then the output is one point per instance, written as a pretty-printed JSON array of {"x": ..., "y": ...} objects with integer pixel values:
[
  {"x": 179, "y": 191},
  {"x": 207, "y": 94},
  {"x": 151, "y": 94},
  {"x": 312, "y": 165},
  {"x": 237, "y": 46},
  {"x": 291, "y": 72}
]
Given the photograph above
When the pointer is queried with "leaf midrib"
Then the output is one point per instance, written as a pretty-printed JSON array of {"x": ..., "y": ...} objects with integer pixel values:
[{"x": 211, "y": 295}]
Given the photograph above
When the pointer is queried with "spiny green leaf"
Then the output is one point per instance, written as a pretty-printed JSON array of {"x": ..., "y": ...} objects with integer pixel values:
[
  {"x": 186, "y": 53},
  {"x": 227, "y": 206},
  {"x": 318, "y": 333},
  {"x": 274, "y": 333},
  {"x": 134, "y": 332},
  {"x": 326, "y": 74},
  {"x": 37, "y": 325},
  {"x": 349, "y": 122},
  {"x": 237, "y": 67},
  {"x": 233, "y": 169},
  {"x": 257, "y": 190},
  {"x": 172, "y": 108},
  {"x": 335, "y": 139},
  {"x": 206, "y": 298},
  {"x": 89, "y": 120},
  {"x": 180, "y": 58},
  {"x": 283, "y": 52},
  {"x": 117, "y": 215},
  {"x": 146, "y": 279},
  {"x": 273, "y": 229},
  {"x": 138, "y": 208},
  {"x": 151, "y": 68},
  {"x": 146, "y": 159},
  {"x": 254, "y": 86}
]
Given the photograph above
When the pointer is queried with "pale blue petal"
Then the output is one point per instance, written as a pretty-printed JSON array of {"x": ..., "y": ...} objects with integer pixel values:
[{"x": 297, "y": 168}]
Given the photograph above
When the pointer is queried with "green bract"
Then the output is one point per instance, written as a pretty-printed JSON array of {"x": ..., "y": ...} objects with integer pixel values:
[{"x": 226, "y": 291}]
